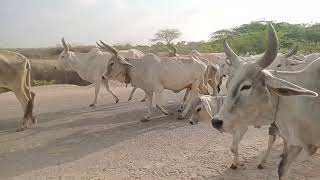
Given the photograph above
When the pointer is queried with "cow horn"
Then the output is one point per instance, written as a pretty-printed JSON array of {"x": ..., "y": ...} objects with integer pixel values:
[
  {"x": 109, "y": 48},
  {"x": 292, "y": 52},
  {"x": 65, "y": 46},
  {"x": 272, "y": 49},
  {"x": 231, "y": 55},
  {"x": 100, "y": 46}
]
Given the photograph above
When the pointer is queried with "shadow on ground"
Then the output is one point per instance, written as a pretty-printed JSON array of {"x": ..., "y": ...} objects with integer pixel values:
[{"x": 92, "y": 130}]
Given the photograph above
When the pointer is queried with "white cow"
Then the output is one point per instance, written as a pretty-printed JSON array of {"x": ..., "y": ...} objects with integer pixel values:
[
  {"x": 214, "y": 58},
  {"x": 205, "y": 107},
  {"x": 133, "y": 53},
  {"x": 15, "y": 73},
  {"x": 282, "y": 62},
  {"x": 309, "y": 57},
  {"x": 212, "y": 75},
  {"x": 154, "y": 74},
  {"x": 90, "y": 66},
  {"x": 259, "y": 97}
]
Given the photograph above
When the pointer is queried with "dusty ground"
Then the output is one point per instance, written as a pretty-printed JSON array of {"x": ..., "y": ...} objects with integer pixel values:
[{"x": 73, "y": 141}]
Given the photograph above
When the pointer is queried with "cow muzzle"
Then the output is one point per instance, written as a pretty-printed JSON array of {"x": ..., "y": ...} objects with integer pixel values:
[{"x": 217, "y": 123}]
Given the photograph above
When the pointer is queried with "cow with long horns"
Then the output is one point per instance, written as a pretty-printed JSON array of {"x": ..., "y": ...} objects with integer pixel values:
[
  {"x": 154, "y": 74},
  {"x": 260, "y": 97},
  {"x": 90, "y": 66}
]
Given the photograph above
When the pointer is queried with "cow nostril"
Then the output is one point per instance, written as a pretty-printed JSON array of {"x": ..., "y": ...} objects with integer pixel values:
[
  {"x": 191, "y": 122},
  {"x": 217, "y": 123},
  {"x": 103, "y": 78}
]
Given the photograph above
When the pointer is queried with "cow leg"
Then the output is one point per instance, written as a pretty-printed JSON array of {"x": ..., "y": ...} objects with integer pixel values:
[
  {"x": 96, "y": 92},
  {"x": 26, "y": 106},
  {"x": 158, "y": 104},
  {"x": 131, "y": 93},
  {"x": 285, "y": 148},
  {"x": 236, "y": 138},
  {"x": 312, "y": 149},
  {"x": 106, "y": 85},
  {"x": 273, "y": 131},
  {"x": 33, "y": 118},
  {"x": 286, "y": 161},
  {"x": 214, "y": 88},
  {"x": 194, "y": 92},
  {"x": 184, "y": 99},
  {"x": 149, "y": 104}
]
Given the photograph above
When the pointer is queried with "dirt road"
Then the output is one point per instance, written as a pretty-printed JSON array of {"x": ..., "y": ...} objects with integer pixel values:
[{"x": 73, "y": 141}]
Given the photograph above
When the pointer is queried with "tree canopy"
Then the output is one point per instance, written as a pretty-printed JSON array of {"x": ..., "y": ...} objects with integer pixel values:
[
  {"x": 249, "y": 38},
  {"x": 166, "y": 36}
]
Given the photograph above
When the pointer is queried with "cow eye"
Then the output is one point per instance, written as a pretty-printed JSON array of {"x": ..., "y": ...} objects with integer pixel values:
[
  {"x": 111, "y": 64},
  {"x": 245, "y": 87},
  {"x": 198, "y": 109},
  {"x": 279, "y": 65}
]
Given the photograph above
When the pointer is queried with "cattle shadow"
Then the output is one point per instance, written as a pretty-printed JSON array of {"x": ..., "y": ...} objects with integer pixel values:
[
  {"x": 300, "y": 169},
  {"x": 93, "y": 129}
]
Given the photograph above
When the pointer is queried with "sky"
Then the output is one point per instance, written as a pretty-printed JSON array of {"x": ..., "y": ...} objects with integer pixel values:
[{"x": 42, "y": 23}]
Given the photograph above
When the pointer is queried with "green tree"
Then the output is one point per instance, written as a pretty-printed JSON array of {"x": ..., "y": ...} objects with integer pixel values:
[{"x": 166, "y": 36}]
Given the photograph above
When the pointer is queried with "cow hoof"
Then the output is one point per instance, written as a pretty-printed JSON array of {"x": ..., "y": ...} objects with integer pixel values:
[
  {"x": 143, "y": 100},
  {"x": 233, "y": 166},
  {"x": 180, "y": 117},
  {"x": 20, "y": 129},
  {"x": 117, "y": 100},
  {"x": 260, "y": 166},
  {"x": 179, "y": 110},
  {"x": 92, "y": 105}
]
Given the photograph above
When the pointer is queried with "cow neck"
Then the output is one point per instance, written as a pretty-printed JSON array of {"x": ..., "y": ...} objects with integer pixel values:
[
  {"x": 277, "y": 109},
  {"x": 277, "y": 104},
  {"x": 77, "y": 63}
]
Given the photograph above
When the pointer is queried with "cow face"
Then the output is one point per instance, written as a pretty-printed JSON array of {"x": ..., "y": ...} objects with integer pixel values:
[
  {"x": 65, "y": 57},
  {"x": 204, "y": 107},
  {"x": 117, "y": 66},
  {"x": 249, "y": 100},
  {"x": 245, "y": 93},
  {"x": 199, "y": 112},
  {"x": 287, "y": 61}
]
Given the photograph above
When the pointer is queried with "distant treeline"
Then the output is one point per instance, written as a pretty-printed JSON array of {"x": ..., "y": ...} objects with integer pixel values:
[{"x": 247, "y": 38}]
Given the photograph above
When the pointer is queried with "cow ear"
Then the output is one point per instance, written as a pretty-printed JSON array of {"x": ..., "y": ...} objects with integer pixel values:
[{"x": 284, "y": 88}]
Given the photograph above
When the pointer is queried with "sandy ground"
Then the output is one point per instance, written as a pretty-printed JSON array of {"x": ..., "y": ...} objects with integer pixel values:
[{"x": 73, "y": 141}]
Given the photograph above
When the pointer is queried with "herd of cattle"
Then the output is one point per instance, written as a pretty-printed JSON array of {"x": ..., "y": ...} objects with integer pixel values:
[{"x": 261, "y": 89}]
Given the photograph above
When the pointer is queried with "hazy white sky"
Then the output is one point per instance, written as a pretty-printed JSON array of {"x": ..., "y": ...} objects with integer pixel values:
[{"x": 41, "y": 23}]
